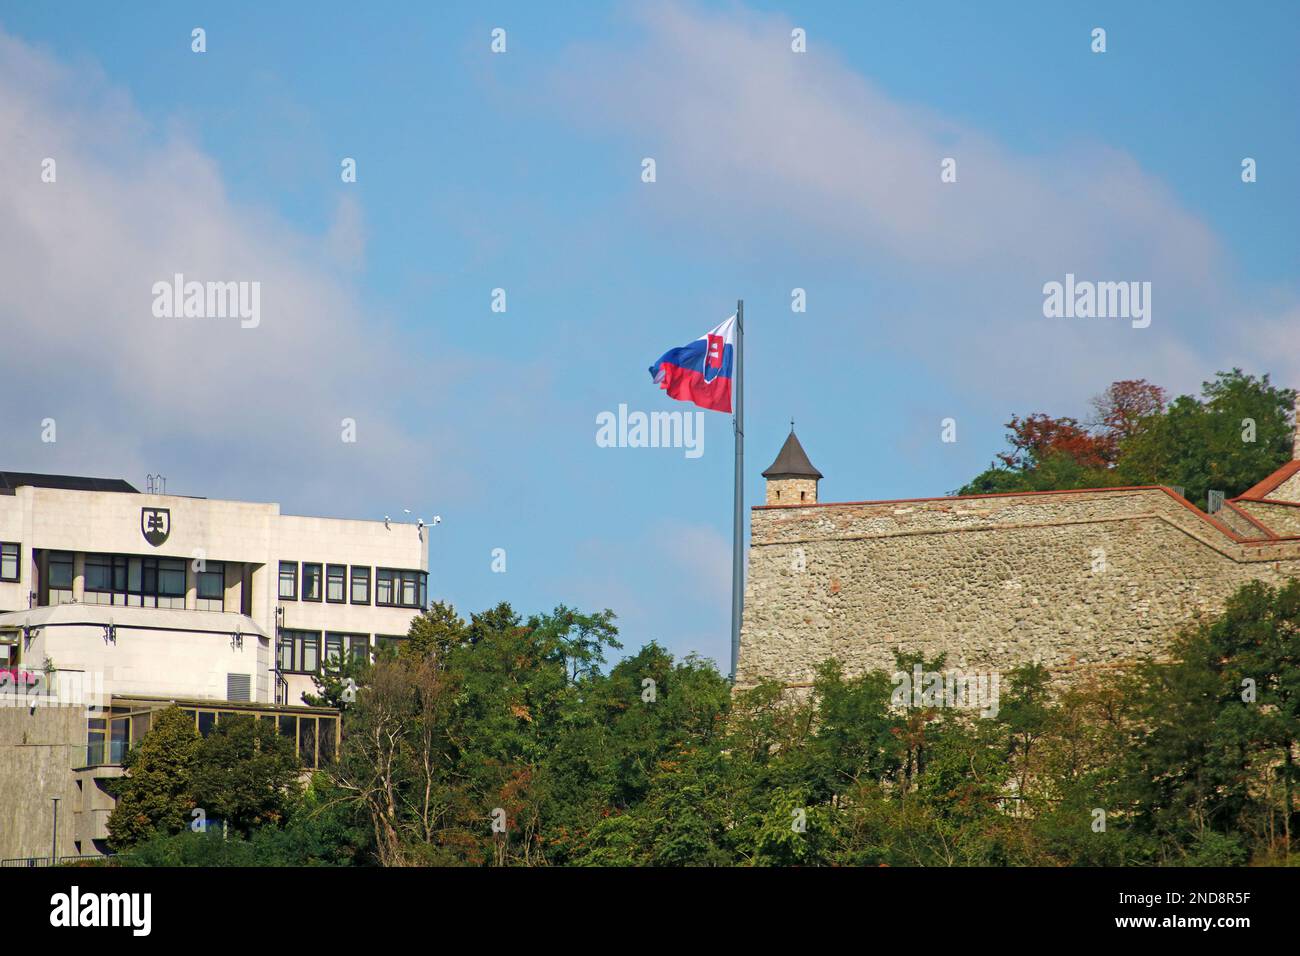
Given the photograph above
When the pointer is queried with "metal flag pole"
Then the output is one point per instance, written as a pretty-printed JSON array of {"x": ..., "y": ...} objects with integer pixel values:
[{"x": 738, "y": 519}]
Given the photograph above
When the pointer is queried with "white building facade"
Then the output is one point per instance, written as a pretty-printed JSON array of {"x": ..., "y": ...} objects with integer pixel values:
[{"x": 155, "y": 595}]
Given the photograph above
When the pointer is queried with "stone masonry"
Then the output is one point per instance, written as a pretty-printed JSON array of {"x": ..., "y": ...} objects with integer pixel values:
[{"x": 1070, "y": 578}]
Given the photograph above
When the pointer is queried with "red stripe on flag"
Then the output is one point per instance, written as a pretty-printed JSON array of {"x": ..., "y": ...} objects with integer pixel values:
[{"x": 688, "y": 385}]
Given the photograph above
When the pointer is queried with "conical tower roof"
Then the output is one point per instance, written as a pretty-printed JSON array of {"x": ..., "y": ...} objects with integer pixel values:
[{"x": 792, "y": 462}]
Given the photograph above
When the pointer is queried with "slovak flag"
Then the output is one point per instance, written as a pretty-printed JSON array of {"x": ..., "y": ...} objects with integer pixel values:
[{"x": 701, "y": 371}]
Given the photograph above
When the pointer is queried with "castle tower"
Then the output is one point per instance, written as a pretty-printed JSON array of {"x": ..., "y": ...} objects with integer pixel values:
[{"x": 792, "y": 479}]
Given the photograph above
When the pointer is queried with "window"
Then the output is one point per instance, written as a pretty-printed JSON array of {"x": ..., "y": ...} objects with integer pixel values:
[
  {"x": 336, "y": 583},
  {"x": 310, "y": 582},
  {"x": 170, "y": 583},
  {"x": 355, "y": 646},
  {"x": 307, "y": 741},
  {"x": 358, "y": 645},
  {"x": 105, "y": 581},
  {"x": 388, "y": 644},
  {"x": 326, "y": 730},
  {"x": 60, "y": 576},
  {"x": 288, "y": 580},
  {"x": 400, "y": 588},
  {"x": 138, "y": 582},
  {"x": 310, "y": 657},
  {"x": 99, "y": 575},
  {"x": 299, "y": 652},
  {"x": 210, "y": 586},
  {"x": 9, "y": 561},
  {"x": 360, "y": 585}
]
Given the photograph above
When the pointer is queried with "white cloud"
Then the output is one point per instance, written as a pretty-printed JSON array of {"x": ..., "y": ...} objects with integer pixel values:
[
  {"x": 801, "y": 155},
  {"x": 253, "y": 411}
]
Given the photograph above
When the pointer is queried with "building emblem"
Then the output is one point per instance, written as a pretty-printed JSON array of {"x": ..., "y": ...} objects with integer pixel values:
[{"x": 156, "y": 524}]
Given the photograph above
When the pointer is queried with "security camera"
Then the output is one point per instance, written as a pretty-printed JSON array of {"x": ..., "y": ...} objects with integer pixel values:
[{"x": 437, "y": 519}]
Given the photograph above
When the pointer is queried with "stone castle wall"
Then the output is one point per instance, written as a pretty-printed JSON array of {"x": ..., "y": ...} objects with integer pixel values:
[
  {"x": 1283, "y": 519},
  {"x": 1074, "y": 579}
]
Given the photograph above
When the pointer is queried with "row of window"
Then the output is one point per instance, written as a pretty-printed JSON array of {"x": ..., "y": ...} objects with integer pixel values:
[
  {"x": 332, "y": 583},
  {"x": 315, "y": 737},
  {"x": 300, "y": 652},
  {"x": 136, "y": 581},
  {"x": 9, "y": 561},
  {"x": 160, "y": 582}
]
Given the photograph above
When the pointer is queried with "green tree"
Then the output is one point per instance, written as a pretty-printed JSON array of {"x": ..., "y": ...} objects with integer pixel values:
[
  {"x": 1236, "y": 434},
  {"x": 245, "y": 774},
  {"x": 434, "y": 632},
  {"x": 1216, "y": 728},
  {"x": 156, "y": 793}
]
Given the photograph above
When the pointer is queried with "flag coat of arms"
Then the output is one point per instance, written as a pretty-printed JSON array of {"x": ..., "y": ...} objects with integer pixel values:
[{"x": 701, "y": 371}]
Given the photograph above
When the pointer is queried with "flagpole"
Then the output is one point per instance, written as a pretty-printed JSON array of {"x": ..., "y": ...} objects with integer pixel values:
[{"x": 738, "y": 518}]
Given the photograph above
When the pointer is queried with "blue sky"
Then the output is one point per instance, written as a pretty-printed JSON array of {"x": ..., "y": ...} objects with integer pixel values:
[{"x": 521, "y": 171}]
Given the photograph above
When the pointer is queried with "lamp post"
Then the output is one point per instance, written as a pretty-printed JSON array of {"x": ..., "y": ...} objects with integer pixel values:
[{"x": 54, "y": 841}]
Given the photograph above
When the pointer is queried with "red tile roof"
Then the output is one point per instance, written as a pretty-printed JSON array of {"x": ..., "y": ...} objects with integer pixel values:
[{"x": 1272, "y": 482}]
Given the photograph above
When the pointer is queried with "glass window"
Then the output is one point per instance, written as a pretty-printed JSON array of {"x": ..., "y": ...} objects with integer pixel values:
[
  {"x": 61, "y": 570},
  {"x": 95, "y": 741},
  {"x": 358, "y": 645},
  {"x": 288, "y": 580},
  {"x": 171, "y": 577},
  {"x": 286, "y": 653},
  {"x": 99, "y": 572},
  {"x": 360, "y": 585},
  {"x": 355, "y": 646},
  {"x": 210, "y": 582},
  {"x": 307, "y": 741},
  {"x": 288, "y": 725},
  {"x": 387, "y": 644},
  {"x": 300, "y": 651},
  {"x": 336, "y": 583},
  {"x": 310, "y": 660},
  {"x": 168, "y": 578},
  {"x": 119, "y": 734},
  {"x": 310, "y": 582},
  {"x": 207, "y": 720},
  {"x": 9, "y": 561},
  {"x": 400, "y": 588},
  {"x": 327, "y": 731},
  {"x": 140, "y": 726}
]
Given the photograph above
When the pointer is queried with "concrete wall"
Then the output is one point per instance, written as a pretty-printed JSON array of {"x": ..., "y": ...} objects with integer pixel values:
[
  {"x": 38, "y": 748},
  {"x": 1070, "y": 578},
  {"x": 174, "y": 658}
]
